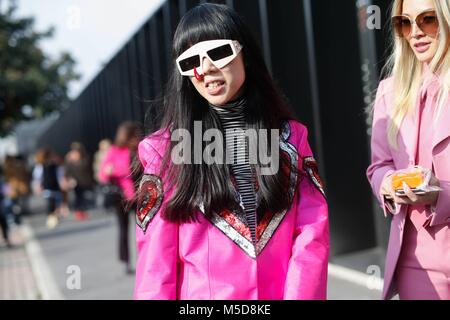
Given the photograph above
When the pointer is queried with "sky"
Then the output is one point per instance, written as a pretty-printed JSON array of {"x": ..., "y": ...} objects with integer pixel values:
[{"x": 93, "y": 31}]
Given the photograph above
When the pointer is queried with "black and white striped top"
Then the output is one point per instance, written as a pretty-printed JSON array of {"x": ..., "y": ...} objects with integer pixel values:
[{"x": 232, "y": 119}]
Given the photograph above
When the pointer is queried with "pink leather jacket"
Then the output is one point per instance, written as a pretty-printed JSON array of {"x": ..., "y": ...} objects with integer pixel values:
[{"x": 215, "y": 258}]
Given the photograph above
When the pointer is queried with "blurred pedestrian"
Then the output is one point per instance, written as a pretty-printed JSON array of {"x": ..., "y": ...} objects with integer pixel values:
[
  {"x": 116, "y": 169},
  {"x": 78, "y": 172},
  {"x": 103, "y": 147},
  {"x": 63, "y": 209},
  {"x": 4, "y": 227},
  {"x": 45, "y": 176},
  {"x": 37, "y": 173},
  {"x": 101, "y": 189},
  {"x": 410, "y": 139},
  {"x": 17, "y": 179}
]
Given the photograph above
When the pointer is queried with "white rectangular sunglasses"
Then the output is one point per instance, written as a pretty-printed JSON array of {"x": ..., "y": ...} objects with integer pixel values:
[{"x": 220, "y": 52}]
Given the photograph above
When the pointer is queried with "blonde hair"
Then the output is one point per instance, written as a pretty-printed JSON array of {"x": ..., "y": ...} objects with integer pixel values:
[{"x": 406, "y": 69}]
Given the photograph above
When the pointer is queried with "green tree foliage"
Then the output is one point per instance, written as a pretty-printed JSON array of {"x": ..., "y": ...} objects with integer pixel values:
[{"x": 32, "y": 84}]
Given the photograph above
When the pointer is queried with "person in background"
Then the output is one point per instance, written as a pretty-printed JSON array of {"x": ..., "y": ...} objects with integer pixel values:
[
  {"x": 17, "y": 179},
  {"x": 116, "y": 168},
  {"x": 63, "y": 209},
  {"x": 101, "y": 189},
  {"x": 3, "y": 220},
  {"x": 45, "y": 181},
  {"x": 79, "y": 175},
  {"x": 103, "y": 147},
  {"x": 37, "y": 172}
]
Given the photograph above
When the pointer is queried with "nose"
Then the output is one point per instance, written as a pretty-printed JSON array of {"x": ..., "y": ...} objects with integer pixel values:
[
  {"x": 416, "y": 32},
  {"x": 207, "y": 65}
]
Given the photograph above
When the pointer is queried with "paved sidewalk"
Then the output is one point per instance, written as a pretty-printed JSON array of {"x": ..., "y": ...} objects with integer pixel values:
[
  {"x": 16, "y": 275},
  {"x": 88, "y": 249}
]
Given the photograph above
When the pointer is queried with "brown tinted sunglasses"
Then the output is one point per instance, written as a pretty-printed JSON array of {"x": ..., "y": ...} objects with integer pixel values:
[{"x": 427, "y": 21}]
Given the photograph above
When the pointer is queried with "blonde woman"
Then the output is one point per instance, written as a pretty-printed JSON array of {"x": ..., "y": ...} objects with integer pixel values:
[{"x": 412, "y": 128}]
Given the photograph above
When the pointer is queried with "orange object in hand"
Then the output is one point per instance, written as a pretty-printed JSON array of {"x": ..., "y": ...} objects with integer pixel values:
[{"x": 412, "y": 179}]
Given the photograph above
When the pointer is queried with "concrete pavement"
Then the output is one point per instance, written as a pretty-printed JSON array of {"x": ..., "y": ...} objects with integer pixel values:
[
  {"x": 16, "y": 277},
  {"x": 87, "y": 249}
]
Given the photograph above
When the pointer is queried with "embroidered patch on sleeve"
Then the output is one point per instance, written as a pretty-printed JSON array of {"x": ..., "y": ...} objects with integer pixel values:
[
  {"x": 149, "y": 199},
  {"x": 311, "y": 168}
]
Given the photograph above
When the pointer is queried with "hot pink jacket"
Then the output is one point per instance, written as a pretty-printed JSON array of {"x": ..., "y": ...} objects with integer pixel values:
[
  {"x": 214, "y": 258},
  {"x": 385, "y": 160},
  {"x": 120, "y": 160}
]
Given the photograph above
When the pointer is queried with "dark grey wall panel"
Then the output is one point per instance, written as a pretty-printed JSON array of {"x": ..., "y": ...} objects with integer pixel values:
[{"x": 345, "y": 142}]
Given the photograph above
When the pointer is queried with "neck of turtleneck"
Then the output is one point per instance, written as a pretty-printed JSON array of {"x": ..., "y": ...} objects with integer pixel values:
[
  {"x": 232, "y": 119},
  {"x": 232, "y": 111}
]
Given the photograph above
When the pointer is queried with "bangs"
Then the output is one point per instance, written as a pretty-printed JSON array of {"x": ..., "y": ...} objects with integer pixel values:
[{"x": 201, "y": 24}]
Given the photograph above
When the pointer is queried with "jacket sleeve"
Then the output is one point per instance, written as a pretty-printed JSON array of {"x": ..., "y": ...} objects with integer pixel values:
[
  {"x": 157, "y": 239},
  {"x": 308, "y": 265},
  {"x": 382, "y": 163}
]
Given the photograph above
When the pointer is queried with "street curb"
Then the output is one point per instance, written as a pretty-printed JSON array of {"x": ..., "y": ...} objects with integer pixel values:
[
  {"x": 359, "y": 278},
  {"x": 45, "y": 281}
]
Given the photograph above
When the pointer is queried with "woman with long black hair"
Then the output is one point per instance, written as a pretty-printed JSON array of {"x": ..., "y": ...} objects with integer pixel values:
[{"x": 240, "y": 228}]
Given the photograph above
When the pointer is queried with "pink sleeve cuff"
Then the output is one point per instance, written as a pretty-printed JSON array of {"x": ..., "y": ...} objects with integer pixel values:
[{"x": 388, "y": 206}]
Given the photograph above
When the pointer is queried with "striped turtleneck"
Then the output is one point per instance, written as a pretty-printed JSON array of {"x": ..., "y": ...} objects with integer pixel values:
[{"x": 232, "y": 119}]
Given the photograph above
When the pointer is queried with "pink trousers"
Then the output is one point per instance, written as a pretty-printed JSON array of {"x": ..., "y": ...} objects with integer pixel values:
[{"x": 423, "y": 269}]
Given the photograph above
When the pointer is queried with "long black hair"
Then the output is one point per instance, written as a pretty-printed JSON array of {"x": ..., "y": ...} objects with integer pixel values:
[{"x": 266, "y": 108}]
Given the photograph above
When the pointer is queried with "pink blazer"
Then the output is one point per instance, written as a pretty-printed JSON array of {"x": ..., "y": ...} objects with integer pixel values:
[
  {"x": 119, "y": 159},
  {"x": 214, "y": 258},
  {"x": 385, "y": 160}
]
